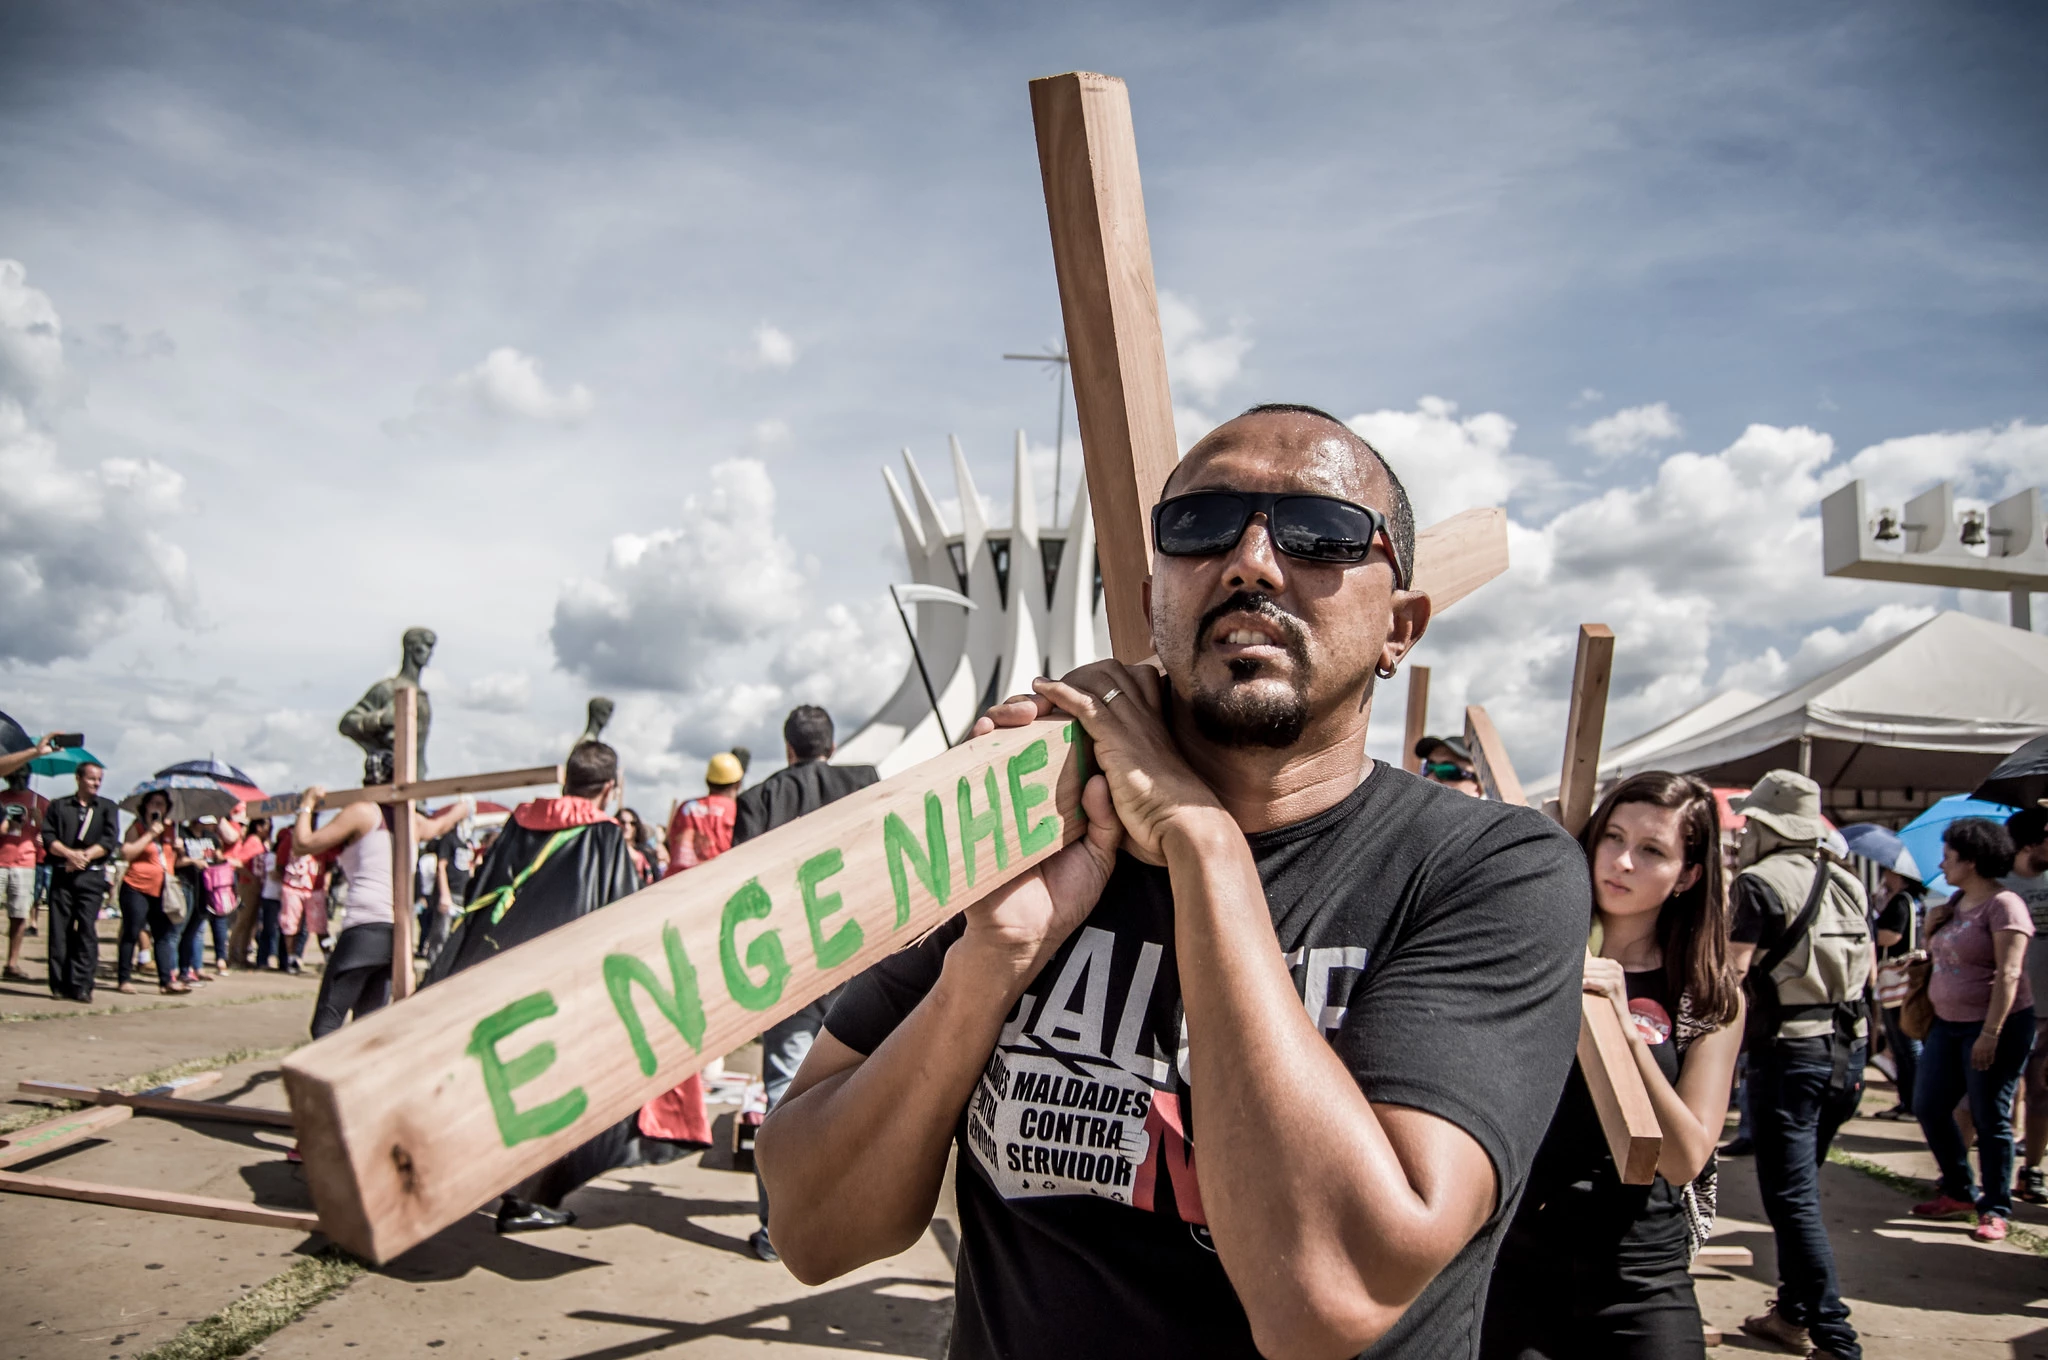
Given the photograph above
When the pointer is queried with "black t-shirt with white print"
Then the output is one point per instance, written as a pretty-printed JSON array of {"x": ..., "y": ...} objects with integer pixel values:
[{"x": 1436, "y": 941}]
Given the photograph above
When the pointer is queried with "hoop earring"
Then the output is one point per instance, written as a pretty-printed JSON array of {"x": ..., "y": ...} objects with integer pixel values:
[{"x": 1385, "y": 672}]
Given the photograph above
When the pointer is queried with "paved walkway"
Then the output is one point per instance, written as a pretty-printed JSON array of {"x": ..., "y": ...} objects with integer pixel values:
[{"x": 658, "y": 1260}]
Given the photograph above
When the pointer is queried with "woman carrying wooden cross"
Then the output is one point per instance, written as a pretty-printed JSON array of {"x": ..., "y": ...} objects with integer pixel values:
[{"x": 1591, "y": 1266}]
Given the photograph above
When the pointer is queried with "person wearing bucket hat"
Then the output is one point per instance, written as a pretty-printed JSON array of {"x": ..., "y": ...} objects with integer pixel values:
[{"x": 1801, "y": 935}]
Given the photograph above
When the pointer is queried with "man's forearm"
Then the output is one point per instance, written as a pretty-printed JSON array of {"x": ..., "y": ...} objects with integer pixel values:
[
  {"x": 832, "y": 1210},
  {"x": 1316, "y": 1219}
]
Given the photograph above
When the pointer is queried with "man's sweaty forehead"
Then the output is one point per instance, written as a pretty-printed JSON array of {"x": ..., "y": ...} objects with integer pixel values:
[{"x": 1313, "y": 454}]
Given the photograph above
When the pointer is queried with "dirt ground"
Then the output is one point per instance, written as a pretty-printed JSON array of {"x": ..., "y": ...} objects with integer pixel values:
[{"x": 658, "y": 1260}]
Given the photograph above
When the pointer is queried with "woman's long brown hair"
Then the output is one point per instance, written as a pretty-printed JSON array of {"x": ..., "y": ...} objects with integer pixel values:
[{"x": 1692, "y": 927}]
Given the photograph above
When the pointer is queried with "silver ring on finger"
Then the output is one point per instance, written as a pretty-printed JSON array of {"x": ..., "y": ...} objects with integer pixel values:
[{"x": 1113, "y": 692}]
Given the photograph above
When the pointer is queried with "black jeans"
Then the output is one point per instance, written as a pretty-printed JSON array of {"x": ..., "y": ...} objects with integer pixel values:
[
  {"x": 1796, "y": 1117},
  {"x": 1905, "y": 1051},
  {"x": 1946, "y": 1073},
  {"x": 357, "y": 979},
  {"x": 140, "y": 910},
  {"x": 75, "y": 901},
  {"x": 268, "y": 940}
]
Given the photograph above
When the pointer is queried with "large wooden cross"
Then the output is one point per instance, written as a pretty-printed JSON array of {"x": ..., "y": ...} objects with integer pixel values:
[
  {"x": 1626, "y": 1116},
  {"x": 407, "y": 788},
  {"x": 417, "y": 1115}
]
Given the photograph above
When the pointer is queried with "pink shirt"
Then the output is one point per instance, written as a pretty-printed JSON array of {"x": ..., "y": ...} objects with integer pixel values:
[
  {"x": 23, "y": 847},
  {"x": 1965, "y": 961}
]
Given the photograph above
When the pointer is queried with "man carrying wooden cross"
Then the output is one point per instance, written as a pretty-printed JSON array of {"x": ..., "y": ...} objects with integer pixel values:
[{"x": 1260, "y": 1063}]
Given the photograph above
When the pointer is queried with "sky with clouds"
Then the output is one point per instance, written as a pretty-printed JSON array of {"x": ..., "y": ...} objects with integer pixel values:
[{"x": 579, "y": 333}]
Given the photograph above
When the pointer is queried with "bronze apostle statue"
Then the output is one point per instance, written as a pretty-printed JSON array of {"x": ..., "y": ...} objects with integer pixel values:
[{"x": 371, "y": 722}]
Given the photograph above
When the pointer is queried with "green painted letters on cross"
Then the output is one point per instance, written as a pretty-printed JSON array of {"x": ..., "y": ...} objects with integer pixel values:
[
  {"x": 845, "y": 941},
  {"x": 679, "y": 1004},
  {"x": 500, "y": 1076},
  {"x": 751, "y": 903},
  {"x": 1030, "y": 839},
  {"x": 989, "y": 824},
  {"x": 931, "y": 864}
]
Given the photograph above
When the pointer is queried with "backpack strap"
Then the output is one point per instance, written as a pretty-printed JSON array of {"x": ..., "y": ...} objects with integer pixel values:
[
  {"x": 1766, "y": 1012},
  {"x": 1800, "y": 926}
]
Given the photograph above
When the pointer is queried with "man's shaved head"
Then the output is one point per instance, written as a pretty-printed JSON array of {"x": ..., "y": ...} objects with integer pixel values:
[
  {"x": 1267, "y": 649},
  {"x": 1370, "y": 465}
]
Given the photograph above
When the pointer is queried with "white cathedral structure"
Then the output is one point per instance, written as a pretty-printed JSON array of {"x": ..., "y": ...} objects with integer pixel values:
[{"x": 1038, "y": 611}]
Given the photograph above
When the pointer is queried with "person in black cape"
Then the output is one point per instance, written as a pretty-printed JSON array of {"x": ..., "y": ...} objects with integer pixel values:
[{"x": 558, "y": 859}]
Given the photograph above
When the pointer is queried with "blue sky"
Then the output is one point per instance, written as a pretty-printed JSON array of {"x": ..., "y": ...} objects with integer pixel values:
[{"x": 284, "y": 245}]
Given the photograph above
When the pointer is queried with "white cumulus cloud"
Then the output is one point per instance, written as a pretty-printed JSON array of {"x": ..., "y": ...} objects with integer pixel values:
[
  {"x": 1447, "y": 463},
  {"x": 719, "y": 624},
  {"x": 1199, "y": 365},
  {"x": 506, "y": 388},
  {"x": 773, "y": 347},
  {"x": 1630, "y": 430},
  {"x": 80, "y": 545},
  {"x": 499, "y": 692},
  {"x": 1707, "y": 566}
]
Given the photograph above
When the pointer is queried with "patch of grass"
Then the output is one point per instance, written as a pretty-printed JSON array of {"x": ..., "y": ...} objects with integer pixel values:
[
  {"x": 1877, "y": 1171},
  {"x": 268, "y": 1308},
  {"x": 51, "y": 1107},
  {"x": 83, "y": 1012},
  {"x": 1922, "y": 1189},
  {"x": 194, "y": 1066},
  {"x": 16, "y": 1120}
]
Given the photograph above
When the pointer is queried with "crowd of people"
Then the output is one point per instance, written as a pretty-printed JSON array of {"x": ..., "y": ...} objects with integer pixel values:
[
  {"x": 174, "y": 887},
  {"x": 1794, "y": 977},
  {"x": 1398, "y": 1147}
]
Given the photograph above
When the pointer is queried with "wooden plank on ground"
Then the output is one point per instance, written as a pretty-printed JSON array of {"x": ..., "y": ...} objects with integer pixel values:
[
  {"x": 1633, "y": 1135},
  {"x": 1585, "y": 726},
  {"x": 414, "y": 1116},
  {"x": 150, "y": 1102},
  {"x": 63, "y": 1131},
  {"x": 1417, "y": 724},
  {"x": 1456, "y": 556},
  {"x": 1490, "y": 761},
  {"x": 1102, "y": 253},
  {"x": 285, "y": 804},
  {"x": 405, "y": 849},
  {"x": 1714, "y": 1257},
  {"x": 159, "y": 1201}
]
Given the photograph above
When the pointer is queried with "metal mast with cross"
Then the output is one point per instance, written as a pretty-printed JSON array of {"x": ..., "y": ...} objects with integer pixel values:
[{"x": 1059, "y": 438}]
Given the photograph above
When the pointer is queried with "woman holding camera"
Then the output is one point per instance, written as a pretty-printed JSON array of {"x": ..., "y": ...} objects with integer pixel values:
[{"x": 150, "y": 848}]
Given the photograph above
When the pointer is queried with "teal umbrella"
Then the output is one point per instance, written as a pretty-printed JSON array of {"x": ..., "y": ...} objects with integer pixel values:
[{"x": 64, "y": 761}]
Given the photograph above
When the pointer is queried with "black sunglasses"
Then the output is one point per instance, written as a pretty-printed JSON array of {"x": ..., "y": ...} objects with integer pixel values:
[{"x": 1316, "y": 528}]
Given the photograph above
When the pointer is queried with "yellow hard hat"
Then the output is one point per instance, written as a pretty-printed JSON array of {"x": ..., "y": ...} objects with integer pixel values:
[{"x": 724, "y": 769}]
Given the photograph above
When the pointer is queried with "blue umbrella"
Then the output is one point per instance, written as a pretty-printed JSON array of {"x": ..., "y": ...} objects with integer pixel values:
[
  {"x": 1922, "y": 835},
  {"x": 1875, "y": 843},
  {"x": 13, "y": 736}
]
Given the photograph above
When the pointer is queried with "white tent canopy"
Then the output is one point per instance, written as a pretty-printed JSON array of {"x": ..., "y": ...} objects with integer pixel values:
[
  {"x": 1646, "y": 751},
  {"x": 1935, "y": 708}
]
